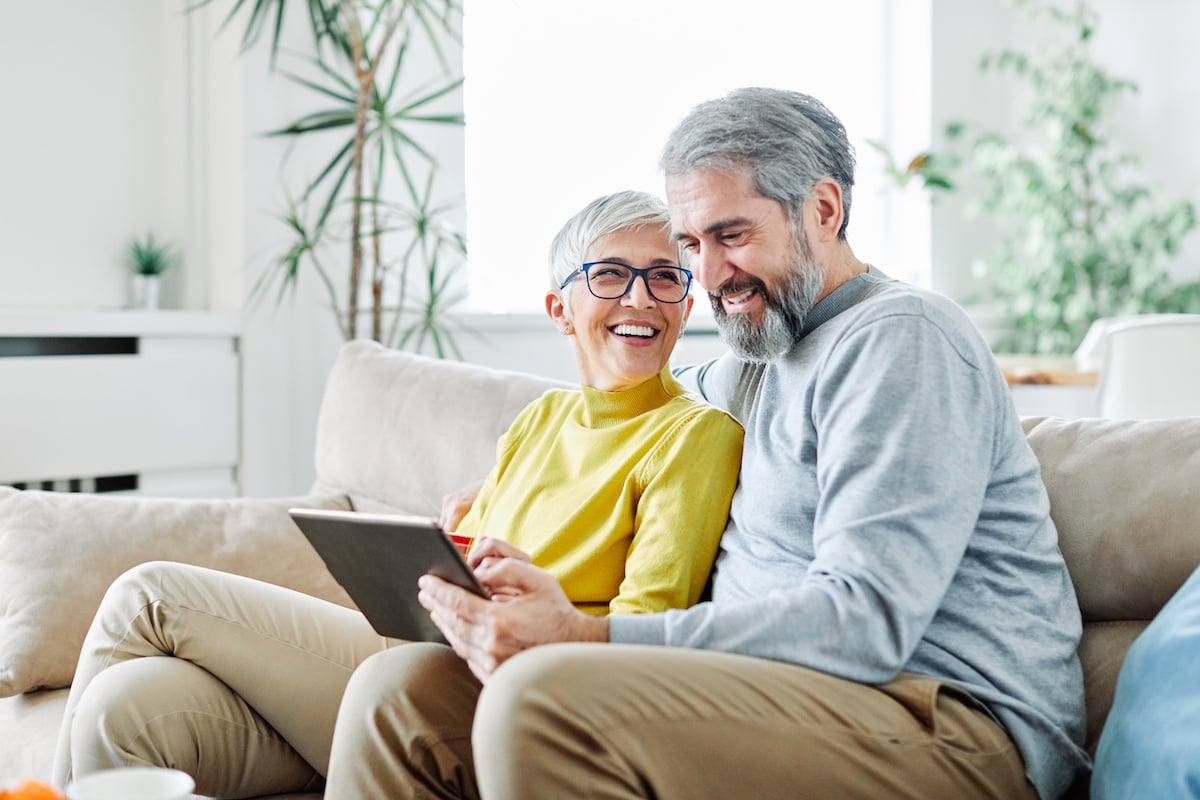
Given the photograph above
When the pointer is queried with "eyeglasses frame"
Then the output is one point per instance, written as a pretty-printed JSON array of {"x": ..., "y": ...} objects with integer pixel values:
[{"x": 635, "y": 273}]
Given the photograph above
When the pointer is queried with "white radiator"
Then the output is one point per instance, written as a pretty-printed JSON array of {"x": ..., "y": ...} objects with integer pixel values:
[{"x": 124, "y": 401}]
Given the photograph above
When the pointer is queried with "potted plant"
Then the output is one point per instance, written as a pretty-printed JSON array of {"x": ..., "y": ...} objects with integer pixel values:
[
  {"x": 374, "y": 195},
  {"x": 1081, "y": 237},
  {"x": 147, "y": 260}
]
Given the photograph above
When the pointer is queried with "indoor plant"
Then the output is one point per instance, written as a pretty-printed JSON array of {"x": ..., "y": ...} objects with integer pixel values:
[
  {"x": 1081, "y": 236},
  {"x": 374, "y": 194},
  {"x": 147, "y": 260}
]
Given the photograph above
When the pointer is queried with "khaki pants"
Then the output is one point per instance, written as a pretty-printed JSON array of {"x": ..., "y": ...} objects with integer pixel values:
[
  {"x": 239, "y": 683},
  {"x": 613, "y": 721},
  {"x": 234, "y": 681}
]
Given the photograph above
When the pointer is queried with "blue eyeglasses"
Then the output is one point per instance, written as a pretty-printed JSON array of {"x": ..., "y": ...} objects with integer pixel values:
[{"x": 609, "y": 280}]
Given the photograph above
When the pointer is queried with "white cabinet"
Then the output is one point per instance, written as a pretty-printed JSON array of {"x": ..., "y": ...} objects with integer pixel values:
[{"x": 132, "y": 401}]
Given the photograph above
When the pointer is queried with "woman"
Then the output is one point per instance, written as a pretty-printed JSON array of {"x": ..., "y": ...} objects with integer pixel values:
[{"x": 620, "y": 490}]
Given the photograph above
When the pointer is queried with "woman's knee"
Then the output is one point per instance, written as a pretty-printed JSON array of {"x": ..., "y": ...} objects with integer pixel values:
[{"x": 138, "y": 586}]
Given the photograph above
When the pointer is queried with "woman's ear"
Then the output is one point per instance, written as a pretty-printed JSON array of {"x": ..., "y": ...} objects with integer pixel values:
[
  {"x": 687, "y": 312},
  {"x": 557, "y": 311}
]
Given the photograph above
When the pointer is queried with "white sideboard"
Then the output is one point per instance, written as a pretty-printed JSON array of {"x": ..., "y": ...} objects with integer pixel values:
[{"x": 141, "y": 402}]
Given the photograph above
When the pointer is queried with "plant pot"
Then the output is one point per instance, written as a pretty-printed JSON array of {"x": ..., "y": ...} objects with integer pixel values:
[{"x": 144, "y": 291}]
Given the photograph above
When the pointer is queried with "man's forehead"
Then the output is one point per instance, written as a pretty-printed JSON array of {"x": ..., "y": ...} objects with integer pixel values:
[{"x": 709, "y": 201}]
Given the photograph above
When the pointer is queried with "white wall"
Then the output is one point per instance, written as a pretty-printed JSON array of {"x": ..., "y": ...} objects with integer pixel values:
[
  {"x": 1151, "y": 43},
  {"x": 94, "y": 146}
]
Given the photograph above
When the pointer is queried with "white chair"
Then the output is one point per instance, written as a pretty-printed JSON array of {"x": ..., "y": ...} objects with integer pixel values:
[{"x": 1151, "y": 368}]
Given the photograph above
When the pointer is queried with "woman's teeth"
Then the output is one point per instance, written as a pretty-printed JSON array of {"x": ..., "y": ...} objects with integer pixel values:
[{"x": 634, "y": 330}]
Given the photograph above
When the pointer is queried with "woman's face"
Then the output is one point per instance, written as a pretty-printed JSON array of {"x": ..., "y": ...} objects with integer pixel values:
[{"x": 623, "y": 342}]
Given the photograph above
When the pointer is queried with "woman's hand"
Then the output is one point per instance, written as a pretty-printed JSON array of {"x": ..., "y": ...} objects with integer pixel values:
[
  {"x": 486, "y": 633},
  {"x": 488, "y": 551},
  {"x": 456, "y": 505}
]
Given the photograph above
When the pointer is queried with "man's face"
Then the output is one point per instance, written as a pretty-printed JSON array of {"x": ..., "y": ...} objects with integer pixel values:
[{"x": 756, "y": 266}]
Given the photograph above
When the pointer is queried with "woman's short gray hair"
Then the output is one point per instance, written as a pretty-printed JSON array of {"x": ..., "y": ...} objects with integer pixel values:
[
  {"x": 602, "y": 216},
  {"x": 785, "y": 141}
]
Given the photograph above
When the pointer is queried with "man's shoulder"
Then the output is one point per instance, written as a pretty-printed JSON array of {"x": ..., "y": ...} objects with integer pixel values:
[{"x": 890, "y": 300}]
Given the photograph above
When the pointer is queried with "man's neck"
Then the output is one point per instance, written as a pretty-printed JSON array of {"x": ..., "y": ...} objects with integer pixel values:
[{"x": 840, "y": 265}]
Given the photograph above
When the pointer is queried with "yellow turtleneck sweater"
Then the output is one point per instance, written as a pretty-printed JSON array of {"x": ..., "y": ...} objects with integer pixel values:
[{"x": 622, "y": 496}]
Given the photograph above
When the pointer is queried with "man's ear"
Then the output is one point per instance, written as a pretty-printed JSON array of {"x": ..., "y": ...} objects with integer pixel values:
[
  {"x": 824, "y": 206},
  {"x": 557, "y": 311}
]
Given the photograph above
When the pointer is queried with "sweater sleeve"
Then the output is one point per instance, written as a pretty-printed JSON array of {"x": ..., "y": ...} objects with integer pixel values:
[
  {"x": 905, "y": 432},
  {"x": 689, "y": 480}
]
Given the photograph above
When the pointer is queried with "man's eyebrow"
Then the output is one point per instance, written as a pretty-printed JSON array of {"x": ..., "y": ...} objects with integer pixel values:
[{"x": 714, "y": 227}]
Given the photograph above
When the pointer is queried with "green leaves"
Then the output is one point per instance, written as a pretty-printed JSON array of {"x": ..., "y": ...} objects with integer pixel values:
[
  {"x": 373, "y": 189},
  {"x": 1081, "y": 237},
  {"x": 149, "y": 257}
]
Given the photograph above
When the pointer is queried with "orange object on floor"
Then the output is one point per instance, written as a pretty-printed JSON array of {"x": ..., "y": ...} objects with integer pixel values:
[{"x": 32, "y": 790}]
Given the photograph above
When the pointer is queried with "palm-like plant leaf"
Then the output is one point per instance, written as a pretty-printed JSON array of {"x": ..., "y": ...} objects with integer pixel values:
[{"x": 352, "y": 40}]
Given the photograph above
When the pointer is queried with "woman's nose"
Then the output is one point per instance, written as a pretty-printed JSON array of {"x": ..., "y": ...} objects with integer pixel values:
[{"x": 638, "y": 295}]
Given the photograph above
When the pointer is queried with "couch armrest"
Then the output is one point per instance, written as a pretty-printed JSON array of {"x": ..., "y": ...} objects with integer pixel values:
[{"x": 60, "y": 552}]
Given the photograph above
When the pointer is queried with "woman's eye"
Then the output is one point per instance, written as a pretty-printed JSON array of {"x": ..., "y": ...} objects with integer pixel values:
[{"x": 667, "y": 276}]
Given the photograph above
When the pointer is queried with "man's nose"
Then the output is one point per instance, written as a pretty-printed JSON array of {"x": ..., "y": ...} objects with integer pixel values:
[{"x": 709, "y": 267}]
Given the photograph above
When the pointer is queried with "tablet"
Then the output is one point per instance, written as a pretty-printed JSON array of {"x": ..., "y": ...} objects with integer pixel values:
[{"x": 377, "y": 558}]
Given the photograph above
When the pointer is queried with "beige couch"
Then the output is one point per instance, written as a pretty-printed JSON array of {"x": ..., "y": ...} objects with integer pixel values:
[{"x": 397, "y": 431}]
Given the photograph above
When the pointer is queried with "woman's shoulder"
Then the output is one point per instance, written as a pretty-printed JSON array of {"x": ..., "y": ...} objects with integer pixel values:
[{"x": 691, "y": 412}]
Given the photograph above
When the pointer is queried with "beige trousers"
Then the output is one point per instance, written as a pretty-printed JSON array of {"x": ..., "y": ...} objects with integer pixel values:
[
  {"x": 617, "y": 721},
  {"x": 614, "y": 721},
  {"x": 235, "y": 681},
  {"x": 240, "y": 683}
]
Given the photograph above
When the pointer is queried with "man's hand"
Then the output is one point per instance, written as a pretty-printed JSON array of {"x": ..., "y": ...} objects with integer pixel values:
[
  {"x": 529, "y": 609},
  {"x": 487, "y": 552}
]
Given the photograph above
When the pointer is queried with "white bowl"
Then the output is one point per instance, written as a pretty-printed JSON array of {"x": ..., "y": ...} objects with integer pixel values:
[{"x": 133, "y": 783}]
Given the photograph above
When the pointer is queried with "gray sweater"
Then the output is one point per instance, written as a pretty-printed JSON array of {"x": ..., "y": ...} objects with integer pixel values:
[{"x": 891, "y": 517}]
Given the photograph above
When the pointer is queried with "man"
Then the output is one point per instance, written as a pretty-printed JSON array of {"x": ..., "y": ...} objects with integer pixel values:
[{"x": 890, "y": 614}]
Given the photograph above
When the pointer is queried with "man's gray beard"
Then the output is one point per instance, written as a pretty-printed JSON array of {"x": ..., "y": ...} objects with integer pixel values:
[{"x": 783, "y": 316}]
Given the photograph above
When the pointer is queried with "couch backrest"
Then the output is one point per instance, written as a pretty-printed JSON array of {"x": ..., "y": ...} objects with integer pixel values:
[
  {"x": 397, "y": 431},
  {"x": 1125, "y": 496}
]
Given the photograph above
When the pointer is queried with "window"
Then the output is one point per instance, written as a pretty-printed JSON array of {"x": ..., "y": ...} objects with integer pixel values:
[{"x": 566, "y": 101}]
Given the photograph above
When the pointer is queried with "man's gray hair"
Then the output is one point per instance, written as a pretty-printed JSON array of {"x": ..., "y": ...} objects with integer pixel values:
[
  {"x": 785, "y": 141},
  {"x": 602, "y": 216}
]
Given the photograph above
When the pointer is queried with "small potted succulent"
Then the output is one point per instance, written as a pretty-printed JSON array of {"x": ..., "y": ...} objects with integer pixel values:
[{"x": 147, "y": 260}]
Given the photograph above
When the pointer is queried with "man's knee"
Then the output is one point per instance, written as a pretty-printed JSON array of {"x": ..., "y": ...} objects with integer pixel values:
[
  {"x": 523, "y": 695},
  {"x": 409, "y": 688}
]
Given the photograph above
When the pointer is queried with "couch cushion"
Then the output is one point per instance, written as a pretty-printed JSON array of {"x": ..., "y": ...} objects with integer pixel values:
[
  {"x": 60, "y": 552},
  {"x": 37, "y": 717},
  {"x": 378, "y": 431},
  {"x": 1124, "y": 497}
]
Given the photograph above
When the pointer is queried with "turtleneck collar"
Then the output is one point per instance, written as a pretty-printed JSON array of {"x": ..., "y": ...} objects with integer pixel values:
[{"x": 601, "y": 409}]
